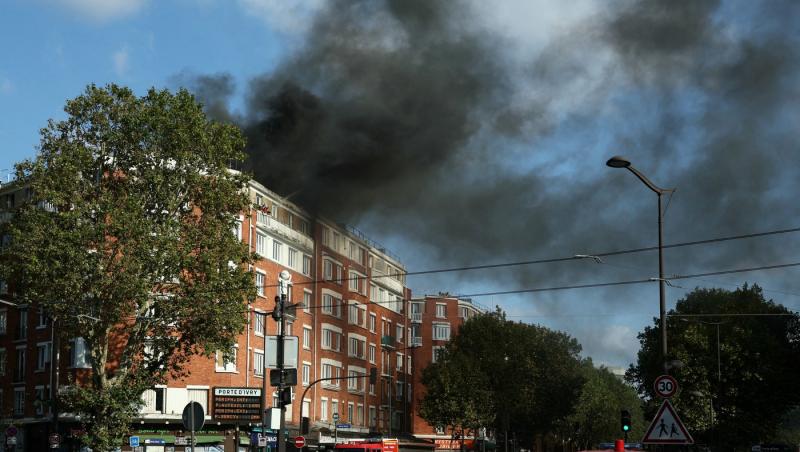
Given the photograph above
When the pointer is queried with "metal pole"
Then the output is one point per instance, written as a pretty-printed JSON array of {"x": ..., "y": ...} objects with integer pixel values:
[
  {"x": 264, "y": 385},
  {"x": 191, "y": 415},
  {"x": 281, "y": 337},
  {"x": 719, "y": 368},
  {"x": 389, "y": 382},
  {"x": 661, "y": 283}
]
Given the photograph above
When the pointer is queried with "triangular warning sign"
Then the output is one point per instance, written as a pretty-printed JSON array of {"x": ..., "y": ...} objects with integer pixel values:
[{"x": 667, "y": 428}]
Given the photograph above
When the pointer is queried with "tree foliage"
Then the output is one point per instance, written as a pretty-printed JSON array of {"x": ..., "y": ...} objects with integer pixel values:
[
  {"x": 758, "y": 357},
  {"x": 529, "y": 374},
  {"x": 127, "y": 242},
  {"x": 596, "y": 417}
]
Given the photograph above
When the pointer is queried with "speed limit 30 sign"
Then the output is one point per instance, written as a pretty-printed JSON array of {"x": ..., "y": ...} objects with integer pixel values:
[{"x": 665, "y": 386}]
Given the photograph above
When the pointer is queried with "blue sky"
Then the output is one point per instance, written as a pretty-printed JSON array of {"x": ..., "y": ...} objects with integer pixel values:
[{"x": 672, "y": 99}]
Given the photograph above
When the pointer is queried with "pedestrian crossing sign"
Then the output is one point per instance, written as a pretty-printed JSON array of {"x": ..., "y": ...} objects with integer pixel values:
[{"x": 667, "y": 428}]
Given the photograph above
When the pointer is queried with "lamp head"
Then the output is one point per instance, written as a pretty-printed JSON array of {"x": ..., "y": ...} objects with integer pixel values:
[{"x": 618, "y": 162}]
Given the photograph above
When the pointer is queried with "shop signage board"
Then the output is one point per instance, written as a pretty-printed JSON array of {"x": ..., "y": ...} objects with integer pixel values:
[{"x": 236, "y": 404}]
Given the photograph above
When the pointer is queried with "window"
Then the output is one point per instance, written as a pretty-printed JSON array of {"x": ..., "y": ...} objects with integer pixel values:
[
  {"x": 237, "y": 230},
  {"x": 259, "y": 323},
  {"x": 40, "y": 400},
  {"x": 327, "y": 270},
  {"x": 3, "y": 320},
  {"x": 258, "y": 362},
  {"x": 438, "y": 350},
  {"x": 22, "y": 328},
  {"x": 350, "y": 412},
  {"x": 372, "y": 353},
  {"x": 360, "y": 414},
  {"x": 276, "y": 250},
  {"x": 304, "y": 227},
  {"x": 372, "y": 389},
  {"x": 261, "y": 244},
  {"x": 307, "y": 300},
  {"x": 273, "y": 211},
  {"x": 323, "y": 409},
  {"x": 3, "y": 361},
  {"x": 353, "y": 313},
  {"x": 331, "y": 339},
  {"x": 42, "y": 355},
  {"x": 200, "y": 396},
  {"x": 331, "y": 305},
  {"x": 19, "y": 372},
  {"x": 373, "y": 416},
  {"x": 441, "y": 310},
  {"x": 79, "y": 354},
  {"x": 353, "y": 381},
  {"x": 373, "y": 293},
  {"x": 153, "y": 400},
  {"x": 398, "y": 390},
  {"x": 307, "y": 337},
  {"x": 306, "y": 374},
  {"x": 260, "y": 277},
  {"x": 42, "y": 323},
  {"x": 330, "y": 370},
  {"x": 399, "y": 361},
  {"x": 356, "y": 346},
  {"x": 19, "y": 401},
  {"x": 306, "y": 265},
  {"x": 226, "y": 360},
  {"x": 400, "y": 329},
  {"x": 292, "y": 258},
  {"x": 441, "y": 331},
  {"x": 372, "y": 321}
]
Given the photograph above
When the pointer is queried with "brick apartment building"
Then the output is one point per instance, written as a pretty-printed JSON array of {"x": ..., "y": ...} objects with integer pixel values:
[
  {"x": 353, "y": 312},
  {"x": 434, "y": 319}
]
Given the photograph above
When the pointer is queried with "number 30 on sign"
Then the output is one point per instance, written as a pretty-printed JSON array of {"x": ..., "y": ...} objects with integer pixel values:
[{"x": 665, "y": 386}]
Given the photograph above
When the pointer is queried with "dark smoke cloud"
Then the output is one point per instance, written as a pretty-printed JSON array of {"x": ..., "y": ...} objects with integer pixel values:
[{"x": 414, "y": 119}]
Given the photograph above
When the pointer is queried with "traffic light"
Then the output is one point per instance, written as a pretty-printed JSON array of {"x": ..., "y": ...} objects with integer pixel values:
[
  {"x": 277, "y": 312},
  {"x": 625, "y": 420},
  {"x": 304, "y": 425}
]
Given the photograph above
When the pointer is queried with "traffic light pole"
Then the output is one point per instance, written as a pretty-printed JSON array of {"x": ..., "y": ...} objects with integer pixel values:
[{"x": 304, "y": 427}]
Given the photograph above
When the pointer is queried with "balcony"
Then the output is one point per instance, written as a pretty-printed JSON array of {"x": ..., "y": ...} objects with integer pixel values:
[
  {"x": 416, "y": 342},
  {"x": 388, "y": 341},
  {"x": 416, "y": 317}
]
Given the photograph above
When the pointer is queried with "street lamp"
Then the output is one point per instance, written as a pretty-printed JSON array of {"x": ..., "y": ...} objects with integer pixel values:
[
  {"x": 716, "y": 324},
  {"x": 621, "y": 162}
]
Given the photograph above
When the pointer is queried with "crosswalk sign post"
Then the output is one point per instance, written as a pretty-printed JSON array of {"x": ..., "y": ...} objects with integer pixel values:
[{"x": 667, "y": 428}]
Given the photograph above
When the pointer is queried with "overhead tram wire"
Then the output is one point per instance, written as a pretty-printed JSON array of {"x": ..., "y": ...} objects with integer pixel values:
[{"x": 563, "y": 259}]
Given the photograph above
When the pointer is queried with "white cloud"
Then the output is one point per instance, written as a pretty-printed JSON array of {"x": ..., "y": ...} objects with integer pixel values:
[
  {"x": 121, "y": 61},
  {"x": 288, "y": 16},
  {"x": 104, "y": 10}
]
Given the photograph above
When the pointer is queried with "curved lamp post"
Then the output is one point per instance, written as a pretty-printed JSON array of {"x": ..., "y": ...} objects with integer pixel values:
[{"x": 621, "y": 162}]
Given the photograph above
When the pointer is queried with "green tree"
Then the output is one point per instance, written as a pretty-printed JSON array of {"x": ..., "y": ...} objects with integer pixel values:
[
  {"x": 531, "y": 373},
  {"x": 127, "y": 242},
  {"x": 758, "y": 355},
  {"x": 596, "y": 417}
]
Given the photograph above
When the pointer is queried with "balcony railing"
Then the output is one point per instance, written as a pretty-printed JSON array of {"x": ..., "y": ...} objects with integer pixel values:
[
  {"x": 416, "y": 342},
  {"x": 388, "y": 341},
  {"x": 416, "y": 317}
]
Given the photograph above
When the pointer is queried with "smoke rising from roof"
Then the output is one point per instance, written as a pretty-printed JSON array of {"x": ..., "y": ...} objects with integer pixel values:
[{"x": 424, "y": 121}]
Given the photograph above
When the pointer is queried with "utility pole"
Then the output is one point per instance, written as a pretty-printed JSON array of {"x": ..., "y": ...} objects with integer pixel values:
[{"x": 280, "y": 302}]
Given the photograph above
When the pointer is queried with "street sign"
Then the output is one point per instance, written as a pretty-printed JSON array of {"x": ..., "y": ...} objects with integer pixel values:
[
  {"x": 133, "y": 441},
  {"x": 54, "y": 439},
  {"x": 181, "y": 441},
  {"x": 290, "y": 348},
  {"x": 193, "y": 417},
  {"x": 11, "y": 431},
  {"x": 335, "y": 417},
  {"x": 665, "y": 386},
  {"x": 342, "y": 425},
  {"x": 667, "y": 428},
  {"x": 237, "y": 404},
  {"x": 289, "y": 377},
  {"x": 299, "y": 442}
]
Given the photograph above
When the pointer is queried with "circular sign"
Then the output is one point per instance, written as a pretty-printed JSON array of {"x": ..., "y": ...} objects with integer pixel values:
[
  {"x": 335, "y": 417},
  {"x": 55, "y": 438},
  {"x": 299, "y": 442},
  {"x": 665, "y": 386},
  {"x": 11, "y": 431}
]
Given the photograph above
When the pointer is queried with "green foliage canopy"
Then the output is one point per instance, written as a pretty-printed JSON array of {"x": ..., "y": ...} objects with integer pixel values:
[
  {"x": 127, "y": 241},
  {"x": 758, "y": 356}
]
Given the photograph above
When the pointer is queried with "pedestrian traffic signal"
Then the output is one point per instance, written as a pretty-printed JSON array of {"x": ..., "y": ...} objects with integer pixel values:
[{"x": 625, "y": 419}]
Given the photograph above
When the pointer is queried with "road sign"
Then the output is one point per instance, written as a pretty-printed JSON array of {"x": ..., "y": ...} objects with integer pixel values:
[
  {"x": 665, "y": 386},
  {"x": 11, "y": 431},
  {"x": 299, "y": 442},
  {"x": 54, "y": 439},
  {"x": 335, "y": 417},
  {"x": 667, "y": 428},
  {"x": 133, "y": 441},
  {"x": 342, "y": 425},
  {"x": 193, "y": 416},
  {"x": 290, "y": 348}
]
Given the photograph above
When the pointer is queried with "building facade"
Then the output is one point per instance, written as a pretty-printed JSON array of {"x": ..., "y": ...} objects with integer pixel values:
[{"x": 349, "y": 312}]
